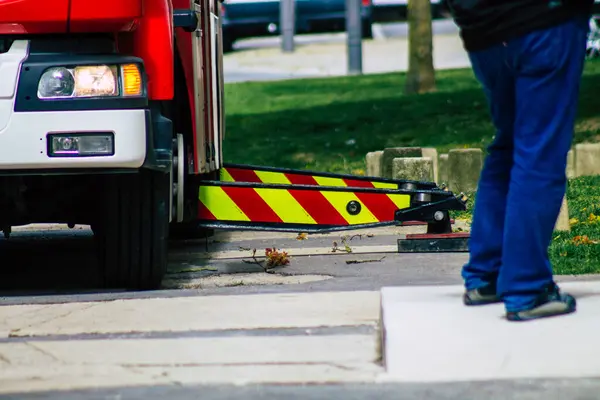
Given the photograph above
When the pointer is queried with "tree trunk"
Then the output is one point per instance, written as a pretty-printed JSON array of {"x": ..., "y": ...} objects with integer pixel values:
[{"x": 421, "y": 74}]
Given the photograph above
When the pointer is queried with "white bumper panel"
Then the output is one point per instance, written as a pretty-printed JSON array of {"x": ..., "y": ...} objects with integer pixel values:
[{"x": 23, "y": 143}]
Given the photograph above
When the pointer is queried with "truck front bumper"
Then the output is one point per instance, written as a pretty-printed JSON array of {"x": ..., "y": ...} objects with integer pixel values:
[{"x": 24, "y": 143}]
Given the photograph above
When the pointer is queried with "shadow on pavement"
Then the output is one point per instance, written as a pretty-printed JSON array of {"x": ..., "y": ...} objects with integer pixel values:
[{"x": 48, "y": 262}]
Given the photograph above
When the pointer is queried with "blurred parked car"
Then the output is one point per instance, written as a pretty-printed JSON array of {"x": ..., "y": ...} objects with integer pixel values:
[{"x": 253, "y": 18}]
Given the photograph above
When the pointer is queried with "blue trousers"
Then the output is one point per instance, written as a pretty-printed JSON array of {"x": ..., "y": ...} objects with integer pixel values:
[{"x": 532, "y": 87}]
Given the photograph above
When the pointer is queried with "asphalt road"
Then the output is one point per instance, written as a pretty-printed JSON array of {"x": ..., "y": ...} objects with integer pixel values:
[
  {"x": 390, "y": 35},
  {"x": 559, "y": 389},
  {"x": 60, "y": 266}
]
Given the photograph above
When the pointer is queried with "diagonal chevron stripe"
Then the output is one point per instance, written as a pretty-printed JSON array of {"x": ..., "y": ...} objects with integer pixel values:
[
  {"x": 327, "y": 181},
  {"x": 226, "y": 176},
  {"x": 277, "y": 178},
  {"x": 220, "y": 205},
  {"x": 285, "y": 206}
]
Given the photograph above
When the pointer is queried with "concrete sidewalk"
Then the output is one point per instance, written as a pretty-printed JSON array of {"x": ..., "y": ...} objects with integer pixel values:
[
  {"x": 330, "y": 59},
  {"x": 431, "y": 337},
  {"x": 288, "y": 338}
]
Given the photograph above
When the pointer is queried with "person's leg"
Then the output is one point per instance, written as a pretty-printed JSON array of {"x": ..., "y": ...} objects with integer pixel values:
[
  {"x": 548, "y": 66},
  {"x": 487, "y": 230}
]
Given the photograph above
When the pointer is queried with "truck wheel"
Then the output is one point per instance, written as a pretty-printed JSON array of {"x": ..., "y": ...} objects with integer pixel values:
[{"x": 133, "y": 234}]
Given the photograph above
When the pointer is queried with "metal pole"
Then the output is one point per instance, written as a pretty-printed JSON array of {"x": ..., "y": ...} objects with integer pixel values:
[
  {"x": 287, "y": 22},
  {"x": 354, "y": 32}
]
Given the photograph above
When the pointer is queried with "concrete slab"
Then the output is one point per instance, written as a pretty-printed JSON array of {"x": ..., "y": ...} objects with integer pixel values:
[
  {"x": 79, "y": 364},
  {"x": 208, "y": 351},
  {"x": 198, "y": 313},
  {"x": 68, "y": 378},
  {"x": 429, "y": 336}
]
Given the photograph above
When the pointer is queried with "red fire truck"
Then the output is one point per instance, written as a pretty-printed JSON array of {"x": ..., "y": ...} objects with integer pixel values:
[{"x": 111, "y": 115}]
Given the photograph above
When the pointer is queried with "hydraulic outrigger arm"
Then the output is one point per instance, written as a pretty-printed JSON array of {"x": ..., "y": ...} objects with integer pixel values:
[{"x": 261, "y": 198}]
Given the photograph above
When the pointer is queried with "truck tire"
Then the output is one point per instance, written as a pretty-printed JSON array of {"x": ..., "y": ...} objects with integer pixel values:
[{"x": 133, "y": 235}]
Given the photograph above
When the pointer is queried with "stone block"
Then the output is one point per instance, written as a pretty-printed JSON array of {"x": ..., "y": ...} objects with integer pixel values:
[
  {"x": 432, "y": 153},
  {"x": 443, "y": 169},
  {"x": 571, "y": 171},
  {"x": 562, "y": 223},
  {"x": 413, "y": 168},
  {"x": 397, "y": 152},
  {"x": 464, "y": 168},
  {"x": 587, "y": 159},
  {"x": 374, "y": 163}
]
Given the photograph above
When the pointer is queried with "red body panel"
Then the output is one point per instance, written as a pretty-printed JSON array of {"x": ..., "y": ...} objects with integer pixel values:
[
  {"x": 152, "y": 41},
  {"x": 33, "y": 16},
  {"x": 104, "y": 16}
]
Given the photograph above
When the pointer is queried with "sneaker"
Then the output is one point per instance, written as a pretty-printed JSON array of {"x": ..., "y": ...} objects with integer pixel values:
[
  {"x": 549, "y": 303},
  {"x": 482, "y": 296}
]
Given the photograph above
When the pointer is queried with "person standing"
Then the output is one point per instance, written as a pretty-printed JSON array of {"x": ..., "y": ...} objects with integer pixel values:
[{"x": 528, "y": 56}]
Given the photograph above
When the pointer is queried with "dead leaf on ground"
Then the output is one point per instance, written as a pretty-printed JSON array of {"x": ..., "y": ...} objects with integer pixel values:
[{"x": 302, "y": 236}]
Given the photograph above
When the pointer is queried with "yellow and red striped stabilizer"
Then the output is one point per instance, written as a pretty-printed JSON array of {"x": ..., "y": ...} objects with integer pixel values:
[{"x": 287, "y": 200}]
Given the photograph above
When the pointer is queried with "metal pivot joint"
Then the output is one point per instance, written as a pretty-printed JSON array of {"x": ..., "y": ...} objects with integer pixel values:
[{"x": 435, "y": 213}]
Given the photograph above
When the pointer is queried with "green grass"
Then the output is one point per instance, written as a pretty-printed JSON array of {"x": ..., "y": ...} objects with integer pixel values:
[
  {"x": 576, "y": 252},
  {"x": 330, "y": 124}
]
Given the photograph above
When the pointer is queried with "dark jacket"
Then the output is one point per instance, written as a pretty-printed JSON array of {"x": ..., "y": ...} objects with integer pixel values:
[{"x": 484, "y": 23}]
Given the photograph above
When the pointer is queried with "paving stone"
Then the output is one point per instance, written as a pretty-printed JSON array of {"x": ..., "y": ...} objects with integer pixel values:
[
  {"x": 587, "y": 159},
  {"x": 571, "y": 169},
  {"x": 443, "y": 169},
  {"x": 374, "y": 163},
  {"x": 562, "y": 223},
  {"x": 397, "y": 152},
  {"x": 413, "y": 168},
  {"x": 464, "y": 168},
  {"x": 433, "y": 154}
]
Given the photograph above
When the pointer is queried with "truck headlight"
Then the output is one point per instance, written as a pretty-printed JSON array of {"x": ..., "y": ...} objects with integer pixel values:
[{"x": 90, "y": 81}]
